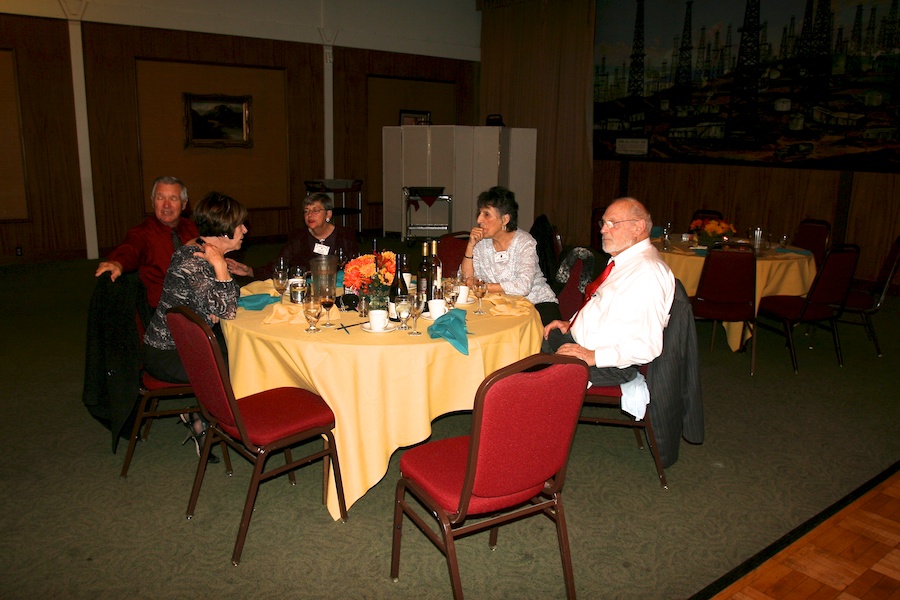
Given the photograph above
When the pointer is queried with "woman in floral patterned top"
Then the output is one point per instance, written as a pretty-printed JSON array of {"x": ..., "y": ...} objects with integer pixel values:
[{"x": 198, "y": 278}]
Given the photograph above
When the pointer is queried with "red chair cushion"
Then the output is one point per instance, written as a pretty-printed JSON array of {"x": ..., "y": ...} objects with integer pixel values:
[
  {"x": 789, "y": 308},
  {"x": 152, "y": 384},
  {"x": 723, "y": 311},
  {"x": 604, "y": 390},
  {"x": 860, "y": 300},
  {"x": 275, "y": 414},
  {"x": 439, "y": 468}
]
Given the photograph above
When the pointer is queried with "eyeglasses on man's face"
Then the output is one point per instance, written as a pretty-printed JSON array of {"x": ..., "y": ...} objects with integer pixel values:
[
  {"x": 612, "y": 224},
  {"x": 313, "y": 211}
]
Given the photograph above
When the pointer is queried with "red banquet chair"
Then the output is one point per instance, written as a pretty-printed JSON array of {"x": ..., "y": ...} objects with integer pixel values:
[
  {"x": 451, "y": 249},
  {"x": 611, "y": 397},
  {"x": 822, "y": 305},
  {"x": 256, "y": 426},
  {"x": 861, "y": 304},
  {"x": 151, "y": 391},
  {"x": 727, "y": 290},
  {"x": 813, "y": 235},
  {"x": 511, "y": 466}
]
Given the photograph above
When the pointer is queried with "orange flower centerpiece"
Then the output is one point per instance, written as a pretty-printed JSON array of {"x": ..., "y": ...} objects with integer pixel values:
[
  {"x": 371, "y": 275},
  {"x": 710, "y": 231}
]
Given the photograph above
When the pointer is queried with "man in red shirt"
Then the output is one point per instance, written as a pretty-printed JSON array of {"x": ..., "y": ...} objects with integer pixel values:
[{"x": 148, "y": 247}]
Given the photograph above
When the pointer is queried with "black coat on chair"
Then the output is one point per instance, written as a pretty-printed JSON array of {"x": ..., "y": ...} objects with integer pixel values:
[
  {"x": 112, "y": 369},
  {"x": 673, "y": 378}
]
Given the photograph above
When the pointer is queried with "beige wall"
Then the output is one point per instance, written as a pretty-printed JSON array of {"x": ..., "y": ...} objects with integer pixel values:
[{"x": 256, "y": 176}]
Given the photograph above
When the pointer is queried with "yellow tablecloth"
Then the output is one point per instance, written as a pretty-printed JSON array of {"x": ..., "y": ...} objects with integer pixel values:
[
  {"x": 384, "y": 388},
  {"x": 777, "y": 273}
]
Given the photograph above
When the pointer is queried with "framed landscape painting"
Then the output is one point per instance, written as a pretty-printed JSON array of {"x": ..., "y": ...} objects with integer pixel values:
[{"x": 217, "y": 121}]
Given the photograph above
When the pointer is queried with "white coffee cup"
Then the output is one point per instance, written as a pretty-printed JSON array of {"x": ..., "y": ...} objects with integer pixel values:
[
  {"x": 378, "y": 320},
  {"x": 437, "y": 307},
  {"x": 463, "y": 296},
  {"x": 407, "y": 277}
]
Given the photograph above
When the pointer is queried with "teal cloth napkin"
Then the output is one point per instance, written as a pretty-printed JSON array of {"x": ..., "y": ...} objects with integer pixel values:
[
  {"x": 257, "y": 301},
  {"x": 700, "y": 251},
  {"x": 339, "y": 280},
  {"x": 794, "y": 250},
  {"x": 452, "y": 327}
]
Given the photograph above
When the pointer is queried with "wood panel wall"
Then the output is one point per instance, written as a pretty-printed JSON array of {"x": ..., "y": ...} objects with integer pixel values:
[
  {"x": 110, "y": 53},
  {"x": 863, "y": 208},
  {"x": 52, "y": 180},
  {"x": 352, "y": 68}
]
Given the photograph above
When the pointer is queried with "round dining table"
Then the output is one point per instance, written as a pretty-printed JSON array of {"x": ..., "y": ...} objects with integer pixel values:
[
  {"x": 779, "y": 271},
  {"x": 384, "y": 388}
]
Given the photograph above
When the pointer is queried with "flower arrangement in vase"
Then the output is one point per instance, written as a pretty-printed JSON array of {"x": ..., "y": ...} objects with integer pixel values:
[
  {"x": 371, "y": 275},
  {"x": 710, "y": 231}
]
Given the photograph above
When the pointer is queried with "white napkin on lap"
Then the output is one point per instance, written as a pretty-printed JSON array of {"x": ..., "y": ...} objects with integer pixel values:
[{"x": 635, "y": 397}]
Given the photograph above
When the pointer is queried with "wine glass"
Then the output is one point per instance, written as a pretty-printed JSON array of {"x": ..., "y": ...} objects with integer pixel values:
[
  {"x": 416, "y": 308},
  {"x": 451, "y": 291},
  {"x": 403, "y": 307},
  {"x": 312, "y": 310},
  {"x": 479, "y": 288},
  {"x": 280, "y": 280},
  {"x": 327, "y": 301}
]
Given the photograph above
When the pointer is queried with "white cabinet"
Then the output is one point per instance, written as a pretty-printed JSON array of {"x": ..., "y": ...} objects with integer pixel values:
[{"x": 464, "y": 160}]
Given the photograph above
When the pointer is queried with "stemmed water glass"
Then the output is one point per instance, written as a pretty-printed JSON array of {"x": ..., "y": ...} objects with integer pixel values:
[
  {"x": 327, "y": 300},
  {"x": 451, "y": 291},
  {"x": 479, "y": 288},
  {"x": 312, "y": 310},
  {"x": 416, "y": 308},
  {"x": 280, "y": 280},
  {"x": 403, "y": 305}
]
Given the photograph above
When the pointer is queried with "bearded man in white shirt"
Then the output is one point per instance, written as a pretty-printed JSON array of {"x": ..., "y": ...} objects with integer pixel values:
[{"x": 620, "y": 326}]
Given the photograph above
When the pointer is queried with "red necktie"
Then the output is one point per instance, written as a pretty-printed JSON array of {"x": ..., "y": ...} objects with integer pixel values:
[{"x": 593, "y": 286}]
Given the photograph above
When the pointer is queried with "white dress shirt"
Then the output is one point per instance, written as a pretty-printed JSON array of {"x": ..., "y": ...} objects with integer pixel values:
[{"x": 623, "y": 321}]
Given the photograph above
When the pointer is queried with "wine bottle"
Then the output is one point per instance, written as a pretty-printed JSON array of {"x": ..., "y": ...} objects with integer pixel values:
[
  {"x": 398, "y": 287},
  {"x": 437, "y": 270},
  {"x": 423, "y": 275}
]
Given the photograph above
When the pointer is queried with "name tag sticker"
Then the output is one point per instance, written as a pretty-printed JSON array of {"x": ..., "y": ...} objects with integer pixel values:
[
  {"x": 321, "y": 249},
  {"x": 501, "y": 257}
]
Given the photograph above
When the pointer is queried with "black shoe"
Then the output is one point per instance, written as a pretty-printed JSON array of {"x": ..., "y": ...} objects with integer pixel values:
[{"x": 193, "y": 422}]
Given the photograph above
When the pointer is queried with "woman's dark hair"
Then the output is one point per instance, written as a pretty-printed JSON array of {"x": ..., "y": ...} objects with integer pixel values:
[
  {"x": 217, "y": 214},
  {"x": 321, "y": 197},
  {"x": 504, "y": 201}
]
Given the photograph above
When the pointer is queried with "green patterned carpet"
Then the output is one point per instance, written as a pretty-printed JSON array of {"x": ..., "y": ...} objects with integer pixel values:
[{"x": 780, "y": 448}]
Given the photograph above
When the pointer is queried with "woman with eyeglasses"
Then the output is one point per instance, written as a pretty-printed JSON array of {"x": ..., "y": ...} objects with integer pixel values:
[
  {"x": 505, "y": 256},
  {"x": 320, "y": 237}
]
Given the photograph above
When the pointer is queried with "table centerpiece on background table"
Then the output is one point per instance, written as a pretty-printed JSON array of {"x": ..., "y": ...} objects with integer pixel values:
[
  {"x": 369, "y": 276},
  {"x": 710, "y": 231}
]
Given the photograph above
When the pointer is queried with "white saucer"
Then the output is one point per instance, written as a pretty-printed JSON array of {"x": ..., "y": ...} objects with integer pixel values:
[
  {"x": 367, "y": 327},
  {"x": 469, "y": 301}
]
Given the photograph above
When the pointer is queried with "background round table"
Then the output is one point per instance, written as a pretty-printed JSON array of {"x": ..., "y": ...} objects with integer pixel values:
[{"x": 788, "y": 273}]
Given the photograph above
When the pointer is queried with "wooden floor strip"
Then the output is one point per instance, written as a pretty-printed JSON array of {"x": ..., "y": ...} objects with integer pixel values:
[{"x": 852, "y": 555}]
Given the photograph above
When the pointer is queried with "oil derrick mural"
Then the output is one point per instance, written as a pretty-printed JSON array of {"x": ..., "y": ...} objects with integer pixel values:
[{"x": 812, "y": 82}]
